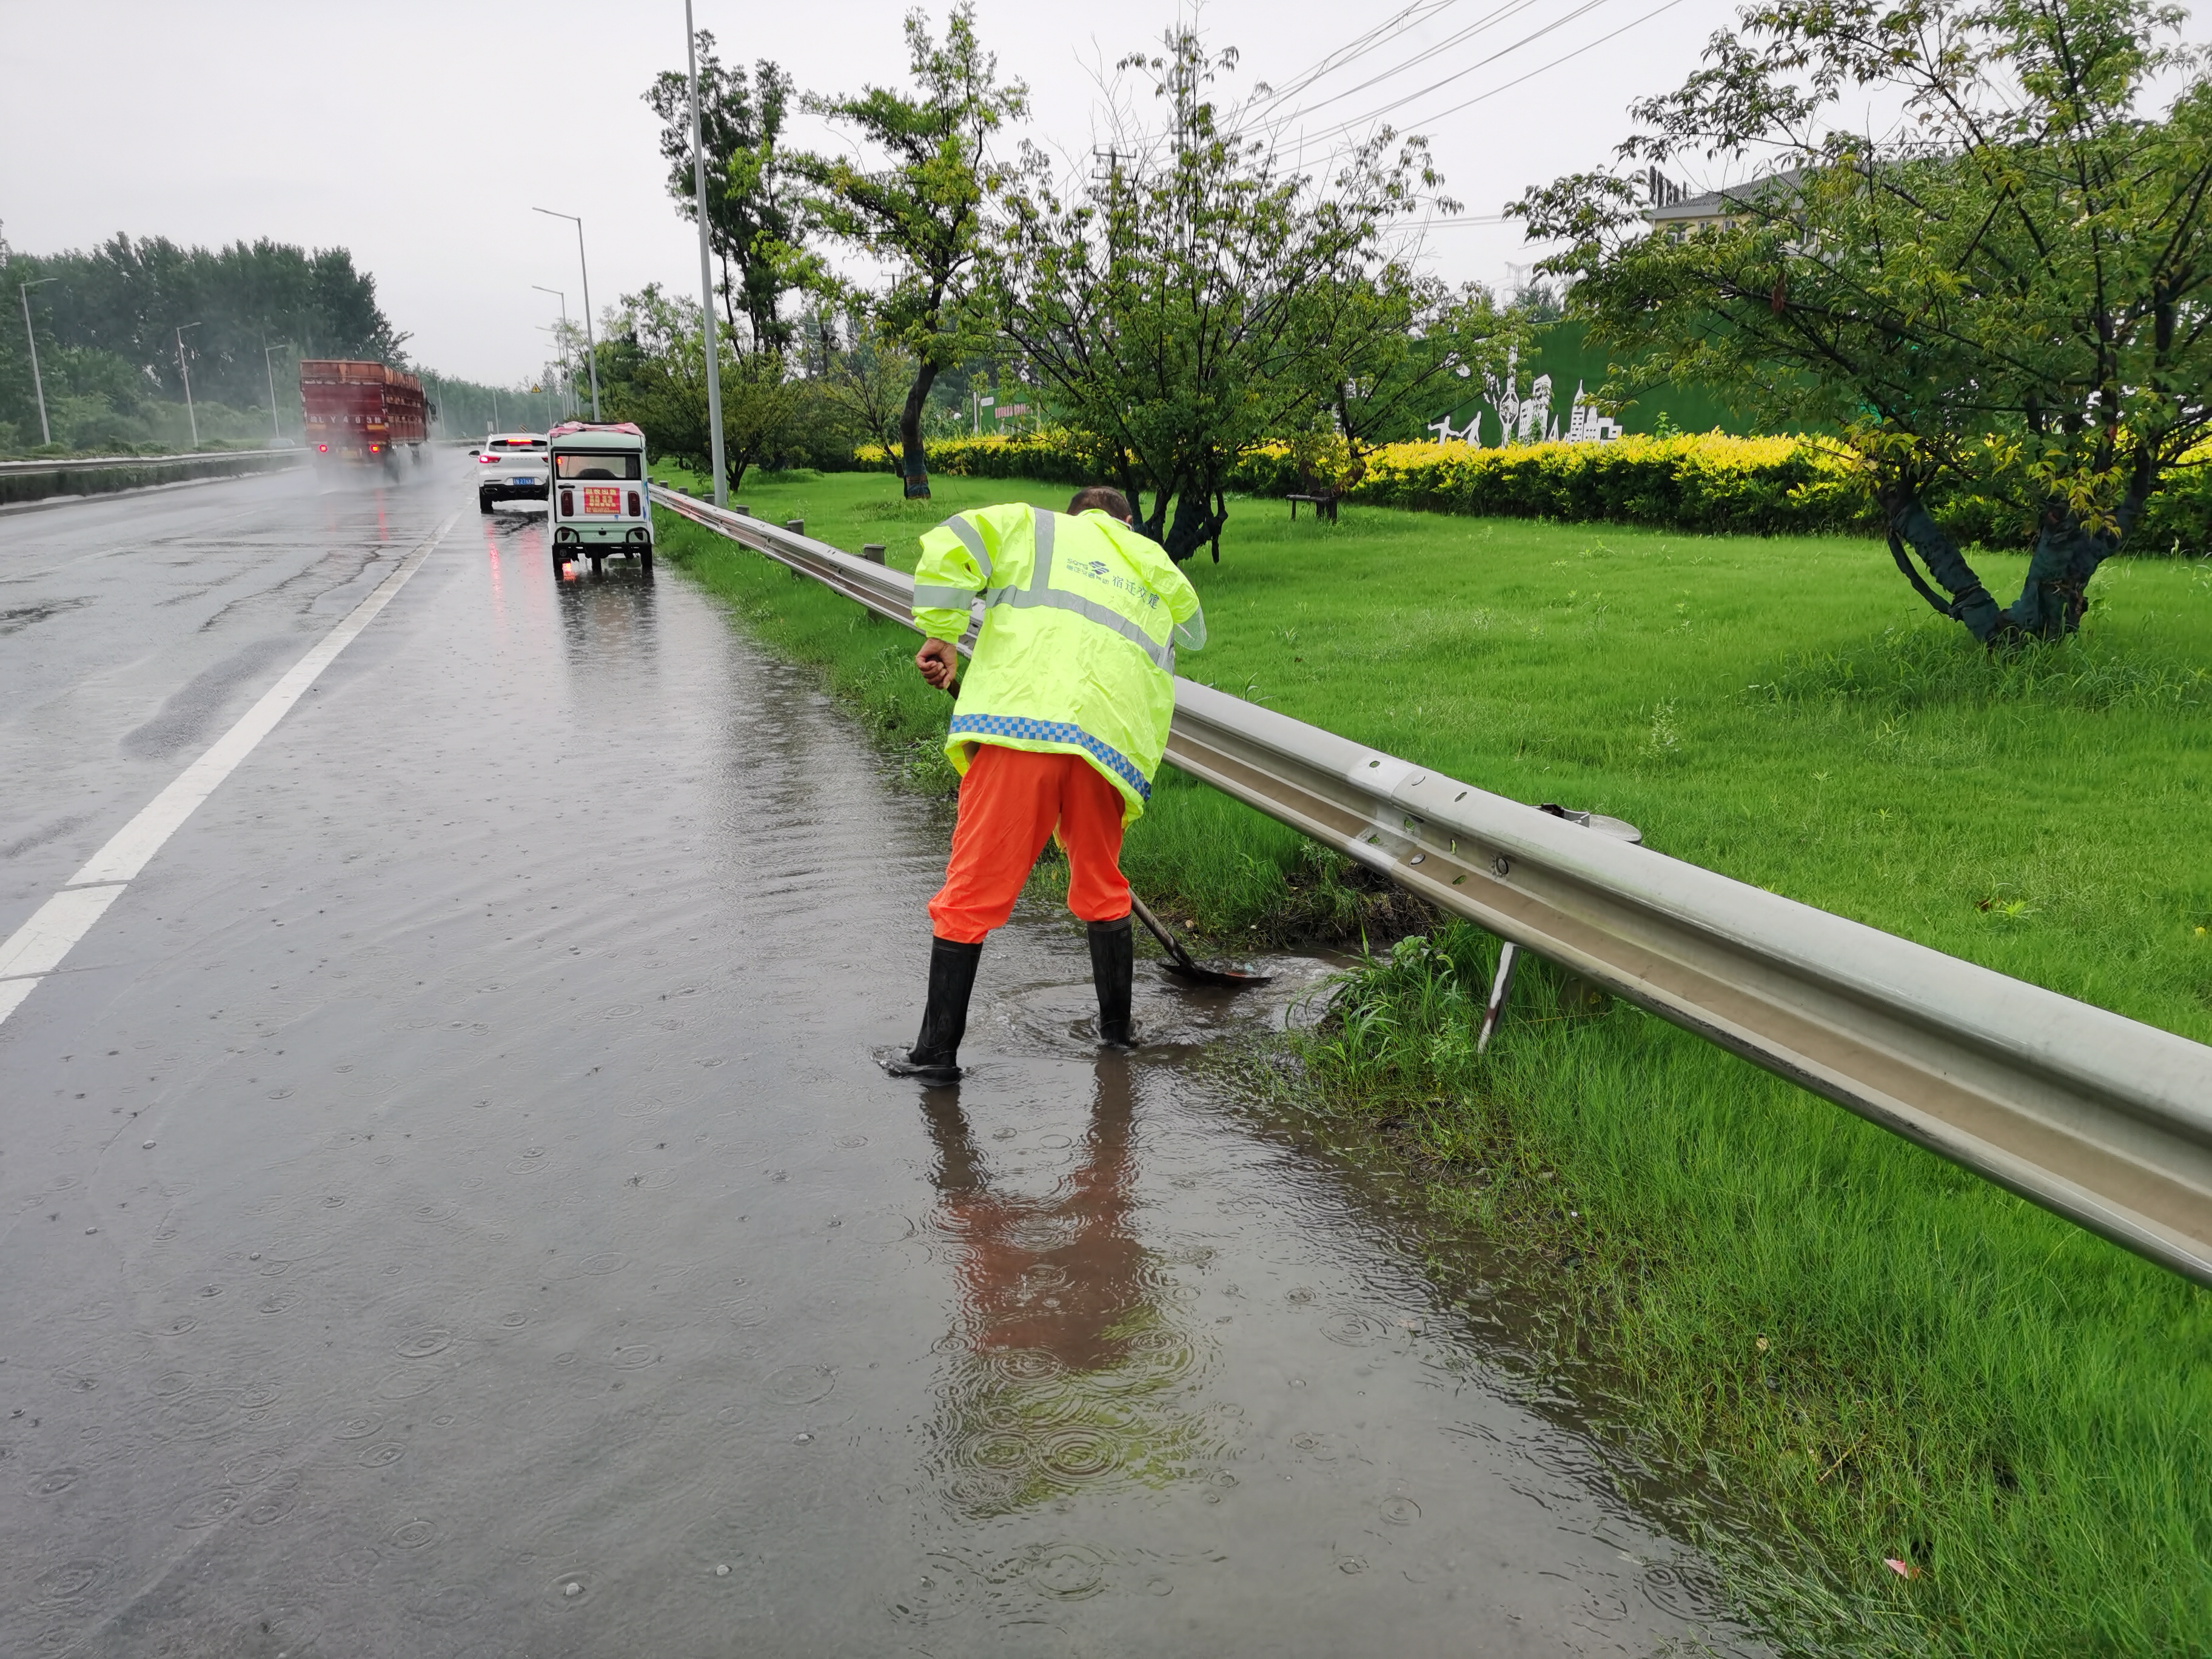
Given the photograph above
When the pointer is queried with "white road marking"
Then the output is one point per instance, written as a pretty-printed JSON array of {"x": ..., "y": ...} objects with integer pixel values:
[{"x": 38, "y": 946}]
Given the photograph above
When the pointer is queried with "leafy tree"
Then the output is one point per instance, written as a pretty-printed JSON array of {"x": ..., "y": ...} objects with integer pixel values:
[
  {"x": 2006, "y": 296},
  {"x": 654, "y": 372},
  {"x": 1197, "y": 299},
  {"x": 918, "y": 206},
  {"x": 866, "y": 380},
  {"x": 754, "y": 215},
  {"x": 107, "y": 329},
  {"x": 1392, "y": 343}
]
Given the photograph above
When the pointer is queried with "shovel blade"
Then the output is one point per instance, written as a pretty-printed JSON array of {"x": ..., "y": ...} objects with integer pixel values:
[{"x": 1195, "y": 973}]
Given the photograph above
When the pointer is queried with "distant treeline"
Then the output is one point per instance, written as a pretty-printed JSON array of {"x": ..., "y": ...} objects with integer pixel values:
[{"x": 106, "y": 324}]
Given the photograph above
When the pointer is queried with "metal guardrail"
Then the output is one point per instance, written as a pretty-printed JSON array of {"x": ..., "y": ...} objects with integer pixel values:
[
  {"x": 128, "y": 463},
  {"x": 78, "y": 476},
  {"x": 2098, "y": 1118}
]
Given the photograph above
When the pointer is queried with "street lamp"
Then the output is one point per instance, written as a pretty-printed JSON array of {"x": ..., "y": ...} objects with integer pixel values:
[
  {"x": 568, "y": 369},
  {"x": 187, "y": 375},
  {"x": 275, "y": 432},
  {"x": 591, "y": 345},
  {"x": 560, "y": 336},
  {"x": 706, "y": 278},
  {"x": 24, "y": 291}
]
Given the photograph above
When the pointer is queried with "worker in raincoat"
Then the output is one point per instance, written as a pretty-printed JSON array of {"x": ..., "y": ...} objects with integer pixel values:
[{"x": 1061, "y": 719}]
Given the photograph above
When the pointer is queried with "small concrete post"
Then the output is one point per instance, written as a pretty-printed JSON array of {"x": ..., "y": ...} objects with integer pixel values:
[{"x": 873, "y": 552}]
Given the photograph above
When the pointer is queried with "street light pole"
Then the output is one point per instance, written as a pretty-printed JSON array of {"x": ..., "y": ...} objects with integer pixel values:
[
  {"x": 560, "y": 335},
  {"x": 568, "y": 368},
  {"x": 268, "y": 364},
  {"x": 187, "y": 375},
  {"x": 24, "y": 291},
  {"x": 705, "y": 275},
  {"x": 591, "y": 343}
]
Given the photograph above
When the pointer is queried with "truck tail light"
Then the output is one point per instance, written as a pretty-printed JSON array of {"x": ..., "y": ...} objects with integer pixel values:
[
  {"x": 322, "y": 449},
  {"x": 567, "y": 503},
  {"x": 633, "y": 509}
]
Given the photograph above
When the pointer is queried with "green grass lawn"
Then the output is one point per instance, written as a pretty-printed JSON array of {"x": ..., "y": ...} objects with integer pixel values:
[{"x": 1864, "y": 1353}]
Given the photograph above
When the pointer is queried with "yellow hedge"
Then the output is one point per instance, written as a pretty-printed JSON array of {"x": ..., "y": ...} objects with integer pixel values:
[{"x": 1708, "y": 482}]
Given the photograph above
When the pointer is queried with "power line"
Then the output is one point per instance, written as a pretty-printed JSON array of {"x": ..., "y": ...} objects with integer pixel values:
[
  {"x": 1556, "y": 62},
  {"x": 1500, "y": 15},
  {"x": 1359, "y": 122},
  {"x": 1358, "y": 47}
]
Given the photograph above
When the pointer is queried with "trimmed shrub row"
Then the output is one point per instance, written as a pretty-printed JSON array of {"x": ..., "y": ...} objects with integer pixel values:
[
  {"x": 1709, "y": 484},
  {"x": 1052, "y": 455}
]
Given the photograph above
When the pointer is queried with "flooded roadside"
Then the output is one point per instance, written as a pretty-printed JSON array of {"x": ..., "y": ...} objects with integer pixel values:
[{"x": 455, "y": 1212}]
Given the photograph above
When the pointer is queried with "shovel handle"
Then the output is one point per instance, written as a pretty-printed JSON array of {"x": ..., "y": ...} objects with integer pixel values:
[{"x": 1167, "y": 943}]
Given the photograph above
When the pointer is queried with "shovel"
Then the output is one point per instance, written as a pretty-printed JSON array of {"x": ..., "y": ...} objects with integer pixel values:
[{"x": 1179, "y": 960}]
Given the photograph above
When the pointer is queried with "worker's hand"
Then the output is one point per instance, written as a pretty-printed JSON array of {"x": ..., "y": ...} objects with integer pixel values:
[{"x": 938, "y": 663}]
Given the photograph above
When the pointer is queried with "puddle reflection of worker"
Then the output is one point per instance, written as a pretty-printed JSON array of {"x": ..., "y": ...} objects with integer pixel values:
[
  {"x": 1059, "y": 1275},
  {"x": 1069, "y": 1370}
]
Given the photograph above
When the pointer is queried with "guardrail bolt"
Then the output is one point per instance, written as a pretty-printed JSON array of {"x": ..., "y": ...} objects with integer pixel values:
[
  {"x": 1501, "y": 865},
  {"x": 873, "y": 552}
]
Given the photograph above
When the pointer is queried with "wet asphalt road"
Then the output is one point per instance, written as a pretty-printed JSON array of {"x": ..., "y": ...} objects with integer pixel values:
[{"x": 447, "y": 1206}]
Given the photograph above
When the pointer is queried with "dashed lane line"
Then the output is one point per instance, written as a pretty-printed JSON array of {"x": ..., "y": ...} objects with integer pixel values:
[{"x": 37, "y": 948}]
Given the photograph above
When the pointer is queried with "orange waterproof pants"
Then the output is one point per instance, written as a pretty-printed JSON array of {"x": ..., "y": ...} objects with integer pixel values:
[{"x": 1011, "y": 801}]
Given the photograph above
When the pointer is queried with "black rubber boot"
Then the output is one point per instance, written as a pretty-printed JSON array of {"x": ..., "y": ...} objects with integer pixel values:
[
  {"x": 1113, "y": 966},
  {"x": 934, "y": 1057}
]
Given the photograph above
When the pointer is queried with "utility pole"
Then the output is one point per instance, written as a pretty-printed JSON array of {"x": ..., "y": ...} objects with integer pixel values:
[
  {"x": 187, "y": 375},
  {"x": 548, "y": 382},
  {"x": 23, "y": 291},
  {"x": 275, "y": 432},
  {"x": 706, "y": 277},
  {"x": 568, "y": 368},
  {"x": 591, "y": 343}
]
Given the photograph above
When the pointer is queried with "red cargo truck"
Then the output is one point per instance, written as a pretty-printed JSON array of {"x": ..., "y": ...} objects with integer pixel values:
[{"x": 361, "y": 411}]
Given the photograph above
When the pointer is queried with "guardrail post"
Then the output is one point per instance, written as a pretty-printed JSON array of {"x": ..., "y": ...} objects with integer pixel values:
[
  {"x": 742, "y": 510},
  {"x": 796, "y": 527},
  {"x": 873, "y": 552},
  {"x": 1501, "y": 987}
]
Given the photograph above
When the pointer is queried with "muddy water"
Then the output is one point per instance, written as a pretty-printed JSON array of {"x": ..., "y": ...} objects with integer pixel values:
[{"x": 452, "y": 1210}]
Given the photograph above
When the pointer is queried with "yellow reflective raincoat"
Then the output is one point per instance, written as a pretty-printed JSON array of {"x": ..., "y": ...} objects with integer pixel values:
[{"x": 1081, "y": 617}]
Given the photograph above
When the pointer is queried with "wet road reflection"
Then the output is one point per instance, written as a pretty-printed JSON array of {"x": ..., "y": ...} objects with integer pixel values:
[
  {"x": 452, "y": 1211},
  {"x": 1073, "y": 1365}
]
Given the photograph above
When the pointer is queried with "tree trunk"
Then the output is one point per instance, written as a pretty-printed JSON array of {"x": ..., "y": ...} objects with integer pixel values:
[
  {"x": 1970, "y": 604},
  {"x": 2054, "y": 595},
  {"x": 1198, "y": 521},
  {"x": 2053, "y": 598},
  {"x": 913, "y": 464},
  {"x": 2067, "y": 554}
]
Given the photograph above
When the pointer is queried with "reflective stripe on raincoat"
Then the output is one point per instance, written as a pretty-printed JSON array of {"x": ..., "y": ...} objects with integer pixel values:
[{"x": 1081, "y": 618}]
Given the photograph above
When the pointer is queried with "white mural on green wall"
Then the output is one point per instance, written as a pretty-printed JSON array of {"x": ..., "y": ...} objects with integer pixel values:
[{"x": 1528, "y": 418}]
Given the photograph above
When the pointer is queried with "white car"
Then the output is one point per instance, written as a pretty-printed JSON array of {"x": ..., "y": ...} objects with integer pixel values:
[{"x": 512, "y": 467}]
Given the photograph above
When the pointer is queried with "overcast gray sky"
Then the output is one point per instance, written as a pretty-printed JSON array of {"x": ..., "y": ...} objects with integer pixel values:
[{"x": 420, "y": 133}]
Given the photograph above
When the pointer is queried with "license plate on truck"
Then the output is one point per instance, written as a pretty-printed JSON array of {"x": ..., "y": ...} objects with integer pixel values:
[{"x": 602, "y": 500}]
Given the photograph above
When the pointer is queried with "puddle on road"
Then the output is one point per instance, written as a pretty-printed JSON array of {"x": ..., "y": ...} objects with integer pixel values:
[{"x": 507, "y": 1245}]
